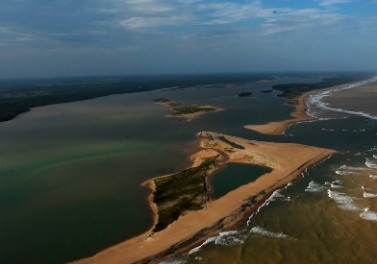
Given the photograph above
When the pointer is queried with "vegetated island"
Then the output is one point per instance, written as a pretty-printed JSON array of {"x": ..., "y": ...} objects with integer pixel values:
[
  {"x": 19, "y": 96},
  {"x": 176, "y": 231},
  {"x": 297, "y": 95},
  {"x": 245, "y": 94},
  {"x": 267, "y": 91},
  {"x": 188, "y": 112}
]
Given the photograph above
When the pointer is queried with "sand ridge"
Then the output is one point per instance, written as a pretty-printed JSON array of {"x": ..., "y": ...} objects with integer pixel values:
[{"x": 287, "y": 160}]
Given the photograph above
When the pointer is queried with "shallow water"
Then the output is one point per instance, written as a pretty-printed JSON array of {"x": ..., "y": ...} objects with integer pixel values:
[
  {"x": 70, "y": 174},
  {"x": 70, "y": 178},
  {"x": 233, "y": 176},
  {"x": 329, "y": 216}
]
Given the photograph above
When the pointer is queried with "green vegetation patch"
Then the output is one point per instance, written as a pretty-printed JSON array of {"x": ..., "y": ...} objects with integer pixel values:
[
  {"x": 293, "y": 90},
  {"x": 180, "y": 192},
  {"x": 167, "y": 102},
  {"x": 233, "y": 144},
  {"x": 190, "y": 109}
]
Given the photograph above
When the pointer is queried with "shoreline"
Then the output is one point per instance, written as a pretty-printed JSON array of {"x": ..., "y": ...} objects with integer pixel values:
[
  {"x": 287, "y": 160},
  {"x": 299, "y": 115}
]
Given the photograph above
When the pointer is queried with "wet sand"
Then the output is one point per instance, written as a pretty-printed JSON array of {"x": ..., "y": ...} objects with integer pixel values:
[
  {"x": 278, "y": 128},
  {"x": 287, "y": 161}
]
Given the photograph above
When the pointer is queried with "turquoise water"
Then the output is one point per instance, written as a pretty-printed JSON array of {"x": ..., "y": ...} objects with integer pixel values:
[{"x": 233, "y": 176}]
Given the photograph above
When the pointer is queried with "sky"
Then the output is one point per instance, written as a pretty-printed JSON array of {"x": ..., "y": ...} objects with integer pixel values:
[{"x": 46, "y": 38}]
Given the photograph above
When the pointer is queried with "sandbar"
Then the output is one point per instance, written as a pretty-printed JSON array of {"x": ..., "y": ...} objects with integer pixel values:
[
  {"x": 287, "y": 161},
  {"x": 299, "y": 115}
]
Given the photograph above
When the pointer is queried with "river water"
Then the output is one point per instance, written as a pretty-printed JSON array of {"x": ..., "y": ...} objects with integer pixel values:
[
  {"x": 330, "y": 215},
  {"x": 70, "y": 178}
]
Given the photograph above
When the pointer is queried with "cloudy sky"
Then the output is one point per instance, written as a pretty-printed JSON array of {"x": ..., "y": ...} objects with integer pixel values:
[{"x": 42, "y": 38}]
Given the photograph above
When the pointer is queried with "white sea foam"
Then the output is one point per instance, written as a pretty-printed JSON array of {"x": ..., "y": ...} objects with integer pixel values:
[
  {"x": 373, "y": 176},
  {"x": 264, "y": 232},
  {"x": 336, "y": 184},
  {"x": 315, "y": 100},
  {"x": 369, "y": 215},
  {"x": 343, "y": 201},
  {"x": 208, "y": 240},
  {"x": 275, "y": 196},
  {"x": 369, "y": 195},
  {"x": 374, "y": 156},
  {"x": 315, "y": 187},
  {"x": 371, "y": 163},
  {"x": 328, "y": 129},
  {"x": 341, "y": 172},
  {"x": 230, "y": 238},
  {"x": 349, "y": 170}
]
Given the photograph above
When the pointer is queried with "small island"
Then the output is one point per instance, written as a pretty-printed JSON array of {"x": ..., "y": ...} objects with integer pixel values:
[
  {"x": 245, "y": 94},
  {"x": 188, "y": 112},
  {"x": 267, "y": 91}
]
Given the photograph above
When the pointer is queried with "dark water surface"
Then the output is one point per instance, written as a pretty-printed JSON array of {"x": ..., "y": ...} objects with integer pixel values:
[
  {"x": 70, "y": 174},
  {"x": 233, "y": 176},
  {"x": 70, "y": 179},
  {"x": 329, "y": 216}
]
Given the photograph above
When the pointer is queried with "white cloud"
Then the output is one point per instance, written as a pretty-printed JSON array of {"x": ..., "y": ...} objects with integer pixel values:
[
  {"x": 335, "y": 2},
  {"x": 150, "y": 22}
]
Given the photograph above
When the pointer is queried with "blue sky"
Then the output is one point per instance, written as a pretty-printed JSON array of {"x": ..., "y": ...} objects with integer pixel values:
[{"x": 42, "y": 38}]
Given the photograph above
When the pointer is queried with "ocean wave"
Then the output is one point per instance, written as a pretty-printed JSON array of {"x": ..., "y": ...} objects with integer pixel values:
[
  {"x": 340, "y": 172},
  {"x": 369, "y": 215},
  {"x": 336, "y": 184},
  {"x": 315, "y": 101},
  {"x": 208, "y": 240},
  {"x": 343, "y": 201},
  {"x": 369, "y": 195},
  {"x": 315, "y": 187},
  {"x": 328, "y": 129},
  {"x": 275, "y": 196},
  {"x": 230, "y": 238},
  {"x": 349, "y": 170},
  {"x": 370, "y": 163},
  {"x": 374, "y": 156},
  {"x": 264, "y": 232}
]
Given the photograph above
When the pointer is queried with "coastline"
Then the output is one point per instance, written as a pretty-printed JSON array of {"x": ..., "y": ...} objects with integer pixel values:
[
  {"x": 277, "y": 128},
  {"x": 287, "y": 160}
]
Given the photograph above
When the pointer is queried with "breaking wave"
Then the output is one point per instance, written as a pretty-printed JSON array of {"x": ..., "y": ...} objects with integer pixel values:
[
  {"x": 372, "y": 164},
  {"x": 369, "y": 215},
  {"x": 369, "y": 195},
  {"x": 264, "y": 232},
  {"x": 314, "y": 101},
  {"x": 345, "y": 202},
  {"x": 315, "y": 187}
]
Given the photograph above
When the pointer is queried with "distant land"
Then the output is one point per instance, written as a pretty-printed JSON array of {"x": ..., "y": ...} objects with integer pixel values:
[{"x": 19, "y": 96}]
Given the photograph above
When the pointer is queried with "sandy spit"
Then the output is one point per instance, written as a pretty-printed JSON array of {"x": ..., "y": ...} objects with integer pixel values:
[{"x": 287, "y": 161}]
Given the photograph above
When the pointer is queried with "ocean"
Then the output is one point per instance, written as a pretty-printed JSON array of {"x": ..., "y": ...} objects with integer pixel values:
[
  {"x": 70, "y": 176},
  {"x": 328, "y": 216}
]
